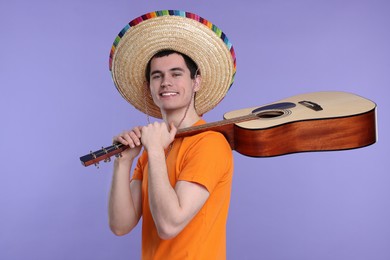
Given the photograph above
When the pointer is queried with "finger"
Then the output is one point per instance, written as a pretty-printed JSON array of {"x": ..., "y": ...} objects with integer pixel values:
[
  {"x": 128, "y": 139},
  {"x": 173, "y": 130},
  {"x": 120, "y": 139},
  {"x": 134, "y": 137},
  {"x": 137, "y": 131}
]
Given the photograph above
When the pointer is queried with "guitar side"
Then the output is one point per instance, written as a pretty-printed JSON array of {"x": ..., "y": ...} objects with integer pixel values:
[{"x": 345, "y": 121}]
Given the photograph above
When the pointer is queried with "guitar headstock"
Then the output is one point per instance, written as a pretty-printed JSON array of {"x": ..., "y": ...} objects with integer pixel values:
[{"x": 103, "y": 154}]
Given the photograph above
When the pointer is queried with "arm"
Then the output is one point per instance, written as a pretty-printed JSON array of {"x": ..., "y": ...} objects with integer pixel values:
[
  {"x": 125, "y": 198},
  {"x": 171, "y": 208}
]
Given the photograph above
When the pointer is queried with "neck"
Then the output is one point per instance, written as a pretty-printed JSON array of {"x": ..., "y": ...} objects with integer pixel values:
[{"x": 181, "y": 119}]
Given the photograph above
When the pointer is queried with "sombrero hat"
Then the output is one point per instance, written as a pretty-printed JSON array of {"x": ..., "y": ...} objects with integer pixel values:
[{"x": 175, "y": 30}]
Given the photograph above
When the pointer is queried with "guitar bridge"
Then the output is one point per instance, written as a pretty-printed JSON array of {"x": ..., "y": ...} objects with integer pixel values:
[{"x": 311, "y": 105}]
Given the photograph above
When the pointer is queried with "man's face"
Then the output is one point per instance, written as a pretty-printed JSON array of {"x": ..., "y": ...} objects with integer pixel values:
[{"x": 171, "y": 85}]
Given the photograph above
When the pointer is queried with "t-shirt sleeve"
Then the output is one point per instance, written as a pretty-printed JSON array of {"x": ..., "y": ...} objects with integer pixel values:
[
  {"x": 139, "y": 168},
  {"x": 207, "y": 161}
]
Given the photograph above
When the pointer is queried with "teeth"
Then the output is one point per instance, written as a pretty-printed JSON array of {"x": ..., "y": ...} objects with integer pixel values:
[{"x": 168, "y": 94}]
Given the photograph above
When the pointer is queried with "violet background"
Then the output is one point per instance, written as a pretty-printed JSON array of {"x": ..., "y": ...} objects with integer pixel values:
[{"x": 58, "y": 102}]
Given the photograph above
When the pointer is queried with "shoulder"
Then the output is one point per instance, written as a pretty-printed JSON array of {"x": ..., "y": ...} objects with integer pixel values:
[
  {"x": 210, "y": 147},
  {"x": 206, "y": 159},
  {"x": 208, "y": 140}
]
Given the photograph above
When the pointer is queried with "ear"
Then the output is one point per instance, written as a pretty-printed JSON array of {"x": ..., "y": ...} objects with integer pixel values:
[{"x": 197, "y": 81}]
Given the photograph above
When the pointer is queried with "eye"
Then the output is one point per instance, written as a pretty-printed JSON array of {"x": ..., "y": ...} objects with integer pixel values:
[
  {"x": 177, "y": 74},
  {"x": 156, "y": 76}
]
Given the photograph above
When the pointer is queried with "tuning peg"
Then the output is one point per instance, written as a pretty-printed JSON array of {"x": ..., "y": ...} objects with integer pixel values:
[
  {"x": 94, "y": 156},
  {"x": 108, "y": 159},
  {"x": 118, "y": 155}
]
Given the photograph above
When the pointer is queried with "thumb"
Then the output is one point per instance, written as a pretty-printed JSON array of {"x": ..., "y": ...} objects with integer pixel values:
[{"x": 173, "y": 130}]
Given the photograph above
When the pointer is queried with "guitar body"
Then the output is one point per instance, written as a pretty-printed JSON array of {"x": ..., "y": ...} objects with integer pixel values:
[{"x": 320, "y": 121}]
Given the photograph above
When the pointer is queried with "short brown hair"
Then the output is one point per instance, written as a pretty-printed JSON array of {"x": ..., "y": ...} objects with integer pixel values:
[{"x": 191, "y": 65}]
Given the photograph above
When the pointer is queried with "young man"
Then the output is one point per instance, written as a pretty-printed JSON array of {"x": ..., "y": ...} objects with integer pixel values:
[{"x": 180, "y": 186}]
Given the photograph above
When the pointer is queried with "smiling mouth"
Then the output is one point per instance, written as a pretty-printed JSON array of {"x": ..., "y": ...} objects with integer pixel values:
[{"x": 168, "y": 94}]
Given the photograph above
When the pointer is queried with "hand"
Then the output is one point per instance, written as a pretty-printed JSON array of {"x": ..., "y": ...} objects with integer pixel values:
[
  {"x": 131, "y": 138},
  {"x": 157, "y": 136}
]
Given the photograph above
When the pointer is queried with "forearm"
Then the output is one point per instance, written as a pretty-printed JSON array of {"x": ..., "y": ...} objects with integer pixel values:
[{"x": 123, "y": 215}]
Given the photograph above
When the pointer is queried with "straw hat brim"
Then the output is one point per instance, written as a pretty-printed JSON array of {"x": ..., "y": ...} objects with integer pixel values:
[{"x": 179, "y": 31}]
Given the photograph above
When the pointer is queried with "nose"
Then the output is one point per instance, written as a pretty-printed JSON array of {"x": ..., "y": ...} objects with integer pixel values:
[{"x": 166, "y": 82}]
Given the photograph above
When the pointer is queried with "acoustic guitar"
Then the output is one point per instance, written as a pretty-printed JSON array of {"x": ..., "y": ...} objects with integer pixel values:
[{"x": 319, "y": 121}]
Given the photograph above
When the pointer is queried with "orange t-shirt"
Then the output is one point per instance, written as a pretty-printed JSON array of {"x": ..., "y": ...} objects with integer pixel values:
[{"x": 206, "y": 159}]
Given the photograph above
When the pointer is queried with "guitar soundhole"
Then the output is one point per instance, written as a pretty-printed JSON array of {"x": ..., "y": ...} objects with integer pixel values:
[{"x": 269, "y": 114}]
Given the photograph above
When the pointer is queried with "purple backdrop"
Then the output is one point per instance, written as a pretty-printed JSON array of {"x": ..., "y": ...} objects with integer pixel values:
[{"x": 58, "y": 102}]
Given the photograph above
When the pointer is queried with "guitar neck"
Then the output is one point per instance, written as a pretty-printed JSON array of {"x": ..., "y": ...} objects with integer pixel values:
[{"x": 224, "y": 126}]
